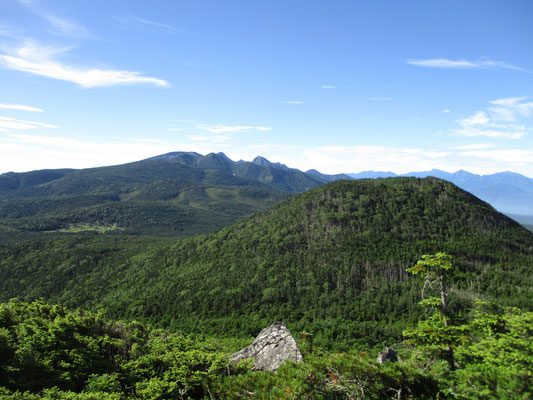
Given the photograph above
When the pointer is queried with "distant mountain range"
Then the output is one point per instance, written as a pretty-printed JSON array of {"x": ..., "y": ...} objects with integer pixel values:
[
  {"x": 186, "y": 193},
  {"x": 508, "y": 192}
]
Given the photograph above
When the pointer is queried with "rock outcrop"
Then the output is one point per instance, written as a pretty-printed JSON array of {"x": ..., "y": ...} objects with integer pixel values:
[
  {"x": 270, "y": 348},
  {"x": 387, "y": 355}
]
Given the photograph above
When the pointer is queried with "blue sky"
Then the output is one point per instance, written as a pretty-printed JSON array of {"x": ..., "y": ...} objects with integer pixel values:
[{"x": 340, "y": 86}]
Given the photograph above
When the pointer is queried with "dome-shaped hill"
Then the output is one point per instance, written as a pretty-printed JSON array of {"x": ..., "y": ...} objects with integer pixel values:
[
  {"x": 330, "y": 261},
  {"x": 333, "y": 260}
]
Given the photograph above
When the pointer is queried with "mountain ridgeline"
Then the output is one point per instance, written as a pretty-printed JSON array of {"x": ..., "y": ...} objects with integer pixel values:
[
  {"x": 175, "y": 194},
  {"x": 152, "y": 197},
  {"x": 182, "y": 194},
  {"x": 329, "y": 261}
]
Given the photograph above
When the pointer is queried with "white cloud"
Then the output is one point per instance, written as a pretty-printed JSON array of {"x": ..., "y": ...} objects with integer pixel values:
[
  {"x": 38, "y": 60},
  {"x": 474, "y": 146},
  {"x": 328, "y": 87},
  {"x": 7, "y": 123},
  {"x": 476, "y": 132},
  {"x": 380, "y": 98},
  {"x": 294, "y": 102},
  {"x": 495, "y": 122},
  {"x": 202, "y": 134},
  {"x": 220, "y": 128},
  {"x": 510, "y": 109},
  {"x": 20, "y": 107},
  {"x": 479, "y": 118},
  {"x": 31, "y": 50},
  {"x": 457, "y": 64},
  {"x": 446, "y": 111}
]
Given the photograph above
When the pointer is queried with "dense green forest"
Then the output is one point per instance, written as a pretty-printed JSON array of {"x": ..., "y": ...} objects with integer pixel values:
[
  {"x": 331, "y": 261},
  {"x": 157, "y": 318},
  {"x": 48, "y": 352}
]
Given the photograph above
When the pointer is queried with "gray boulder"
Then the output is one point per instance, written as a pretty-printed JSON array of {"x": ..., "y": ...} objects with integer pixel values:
[
  {"x": 387, "y": 355},
  {"x": 270, "y": 348}
]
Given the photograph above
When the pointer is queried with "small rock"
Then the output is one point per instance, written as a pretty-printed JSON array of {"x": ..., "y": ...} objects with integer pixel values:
[
  {"x": 270, "y": 348},
  {"x": 387, "y": 355}
]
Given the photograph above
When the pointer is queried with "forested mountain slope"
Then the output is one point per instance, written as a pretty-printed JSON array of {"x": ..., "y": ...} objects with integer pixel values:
[
  {"x": 507, "y": 191},
  {"x": 331, "y": 261},
  {"x": 275, "y": 175},
  {"x": 146, "y": 197}
]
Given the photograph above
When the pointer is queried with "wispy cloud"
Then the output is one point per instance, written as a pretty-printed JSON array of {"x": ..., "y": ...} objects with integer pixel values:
[
  {"x": 58, "y": 25},
  {"x": 510, "y": 109},
  {"x": 65, "y": 27},
  {"x": 220, "y": 128},
  {"x": 294, "y": 102},
  {"x": 380, "y": 98},
  {"x": 20, "y": 107},
  {"x": 479, "y": 118},
  {"x": 496, "y": 122},
  {"x": 10, "y": 31},
  {"x": 130, "y": 21},
  {"x": 8, "y": 123},
  {"x": 474, "y": 146},
  {"x": 446, "y": 111},
  {"x": 39, "y": 60},
  {"x": 200, "y": 132},
  {"x": 328, "y": 87},
  {"x": 458, "y": 64}
]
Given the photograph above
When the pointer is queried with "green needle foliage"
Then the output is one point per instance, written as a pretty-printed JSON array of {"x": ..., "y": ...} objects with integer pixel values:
[{"x": 436, "y": 334}]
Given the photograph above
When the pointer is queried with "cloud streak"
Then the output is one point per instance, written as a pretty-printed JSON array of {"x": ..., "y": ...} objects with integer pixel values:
[
  {"x": 65, "y": 27},
  {"x": 462, "y": 64},
  {"x": 38, "y": 60},
  {"x": 220, "y": 128},
  {"x": 20, "y": 107},
  {"x": 510, "y": 109},
  {"x": 134, "y": 22},
  {"x": 8, "y": 123},
  {"x": 58, "y": 25}
]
